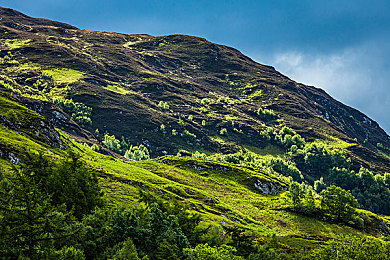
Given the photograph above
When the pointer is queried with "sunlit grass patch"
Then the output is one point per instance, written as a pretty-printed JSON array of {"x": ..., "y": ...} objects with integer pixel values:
[
  {"x": 15, "y": 43},
  {"x": 117, "y": 89},
  {"x": 61, "y": 76},
  {"x": 335, "y": 143}
]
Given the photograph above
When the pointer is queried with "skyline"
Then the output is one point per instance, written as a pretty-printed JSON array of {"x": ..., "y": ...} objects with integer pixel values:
[{"x": 342, "y": 48}]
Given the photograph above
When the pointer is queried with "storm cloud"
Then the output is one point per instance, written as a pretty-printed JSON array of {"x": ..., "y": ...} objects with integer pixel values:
[{"x": 357, "y": 76}]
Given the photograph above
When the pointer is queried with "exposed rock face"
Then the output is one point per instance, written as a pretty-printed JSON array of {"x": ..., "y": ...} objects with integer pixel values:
[
  {"x": 267, "y": 187},
  {"x": 13, "y": 158},
  {"x": 40, "y": 130}
]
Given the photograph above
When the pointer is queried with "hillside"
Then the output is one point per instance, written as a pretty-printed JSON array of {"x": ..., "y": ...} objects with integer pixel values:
[{"x": 178, "y": 119}]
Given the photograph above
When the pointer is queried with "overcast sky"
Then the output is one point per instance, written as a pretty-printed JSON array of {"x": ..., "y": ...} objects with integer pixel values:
[{"x": 341, "y": 46}]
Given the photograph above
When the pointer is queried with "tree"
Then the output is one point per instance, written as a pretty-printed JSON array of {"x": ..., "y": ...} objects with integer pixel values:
[
  {"x": 166, "y": 251},
  {"x": 69, "y": 253},
  {"x": 338, "y": 203},
  {"x": 319, "y": 185},
  {"x": 75, "y": 185},
  {"x": 137, "y": 153},
  {"x": 206, "y": 252},
  {"x": 128, "y": 251},
  {"x": 29, "y": 224},
  {"x": 296, "y": 193}
]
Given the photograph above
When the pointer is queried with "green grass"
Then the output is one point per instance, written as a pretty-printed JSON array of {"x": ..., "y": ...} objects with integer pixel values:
[
  {"x": 268, "y": 151},
  {"x": 335, "y": 143},
  {"x": 61, "y": 76},
  {"x": 25, "y": 138},
  {"x": 29, "y": 66},
  {"x": 15, "y": 142},
  {"x": 117, "y": 89},
  {"x": 218, "y": 195},
  {"x": 218, "y": 191},
  {"x": 15, "y": 43},
  {"x": 15, "y": 112}
]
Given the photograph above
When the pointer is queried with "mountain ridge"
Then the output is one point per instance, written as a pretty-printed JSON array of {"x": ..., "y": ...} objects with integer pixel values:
[{"x": 113, "y": 72}]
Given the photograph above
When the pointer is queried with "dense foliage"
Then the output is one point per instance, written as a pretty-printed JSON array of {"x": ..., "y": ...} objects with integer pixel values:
[
  {"x": 55, "y": 210},
  {"x": 136, "y": 153},
  {"x": 79, "y": 112}
]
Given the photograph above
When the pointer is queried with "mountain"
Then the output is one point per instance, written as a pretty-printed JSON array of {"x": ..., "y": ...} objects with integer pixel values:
[{"x": 241, "y": 128}]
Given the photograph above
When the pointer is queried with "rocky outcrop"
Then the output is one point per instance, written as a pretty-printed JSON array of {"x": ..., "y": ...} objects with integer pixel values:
[
  {"x": 36, "y": 129},
  {"x": 268, "y": 187},
  {"x": 56, "y": 117}
]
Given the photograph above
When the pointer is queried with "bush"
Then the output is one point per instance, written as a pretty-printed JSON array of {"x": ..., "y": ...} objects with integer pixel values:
[
  {"x": 137, "y": 153},
  {"x": 75, "y": 185},
  {"x": 188, "y": 136},
  {"x": 296, "y": 193},
  {"x": 111, "y": 143},
  {"x": 319, "y": 160},
  {"x": 163, "y": 105},
  {"x": 223, "y": 131},
  {"x": 286, "y": 168},
  {"x": 205, "y": 101},
  {"x": 79, "y": 112},
  {"x": 319, "y": 185},
  {"x": 350, "y": 247},
  {"x": 266, "y": 114}
]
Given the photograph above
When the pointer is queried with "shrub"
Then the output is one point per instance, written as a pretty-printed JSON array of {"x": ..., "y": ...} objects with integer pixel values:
[
  {"x": 137, "y": 153},
  {"x": 206, "y": 252},
  {"x": 111, "y": 143},
  {"x": 296, "y": 193},
  {"x": 223, "y": 131},
  {"x": 203, "y": 110},
  {"x": 319, "y": 185},
  {"x": 320, "y": 160},
  {"x": 205, "y": 101},
  {"x": 266, "y": 114},
  {"x": 286, "y": 168},
  {"x": 163, "y": 105},
  {"x": 188, "y": 136},
  {"x": 79, "y": 112}
]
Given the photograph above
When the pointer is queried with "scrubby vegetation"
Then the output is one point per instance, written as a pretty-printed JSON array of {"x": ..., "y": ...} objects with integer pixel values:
[
  {"x": 131, "y": 152},
  {"x": 79, "y": 112},
  {"x": 266, "y": 114},
  {"x": 41, "y": 218}
]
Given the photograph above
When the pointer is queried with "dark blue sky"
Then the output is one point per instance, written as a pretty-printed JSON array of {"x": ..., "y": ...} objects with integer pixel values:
[{"x": 340, "y": 46}]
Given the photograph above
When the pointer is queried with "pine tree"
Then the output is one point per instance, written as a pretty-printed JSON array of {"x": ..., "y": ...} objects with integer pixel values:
[{"x": 29, "y": 224}]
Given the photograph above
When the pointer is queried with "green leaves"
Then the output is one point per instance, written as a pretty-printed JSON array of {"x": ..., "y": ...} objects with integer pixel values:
[
  {"x": 73, "y": 184},
  {"x": 338, "y": 203},
  {"x": 206, "y": 252},
  {"x": 29, "y": 223},
  {"x": 79, "y": 112},
  {"x": 350, "y": 247},
  {"x": 137, "y": 153},
  {"x": 296, "y": 193}
]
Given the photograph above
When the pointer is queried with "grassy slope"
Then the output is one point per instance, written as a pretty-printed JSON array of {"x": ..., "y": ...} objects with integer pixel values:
[
  {"x": 219, "y": 196},
  {"x": 218, "y": 191}
]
